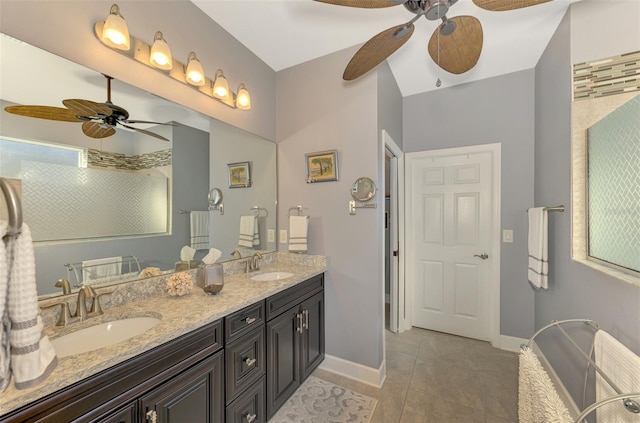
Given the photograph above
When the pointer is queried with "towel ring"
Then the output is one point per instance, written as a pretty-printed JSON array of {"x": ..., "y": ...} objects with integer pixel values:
[
  {"x": 257, "y": 210},
  {"x": 296, "y": 208}
]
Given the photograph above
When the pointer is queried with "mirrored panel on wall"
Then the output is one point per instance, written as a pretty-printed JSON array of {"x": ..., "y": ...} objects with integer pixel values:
[{"x": 104, "y": 205}]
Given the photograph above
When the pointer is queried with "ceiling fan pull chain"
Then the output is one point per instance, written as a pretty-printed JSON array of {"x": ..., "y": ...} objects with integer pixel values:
[{"x": 438, "y": 82}]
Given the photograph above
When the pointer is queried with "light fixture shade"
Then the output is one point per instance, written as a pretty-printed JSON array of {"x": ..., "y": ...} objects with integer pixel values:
[
  {"x": 115, "y": 32},
  {"x": 160, "y": 56},
  {"x": 194, "y": 74},
  {"x": 243, "y": 100},
  {"x": 221, "y": 87}
]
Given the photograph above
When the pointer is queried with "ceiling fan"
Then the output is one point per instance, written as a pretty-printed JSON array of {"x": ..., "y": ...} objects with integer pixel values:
[
  {"x": 455, "y": 45},
  {"x": 99, "y": 120}
]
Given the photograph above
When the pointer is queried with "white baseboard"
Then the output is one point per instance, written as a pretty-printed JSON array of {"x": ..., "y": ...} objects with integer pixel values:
[
  {"x": 355, "y": 371},
  {"x": 510, "y": 343}
]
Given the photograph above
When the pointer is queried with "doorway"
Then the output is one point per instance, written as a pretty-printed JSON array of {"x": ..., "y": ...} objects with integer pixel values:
[
  {"x": 394, "y": 289},
  {"x": 453, "y": 246}
]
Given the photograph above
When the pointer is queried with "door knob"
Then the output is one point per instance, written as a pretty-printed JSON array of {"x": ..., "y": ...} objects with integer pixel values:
[{"x": 483, "y": 256}]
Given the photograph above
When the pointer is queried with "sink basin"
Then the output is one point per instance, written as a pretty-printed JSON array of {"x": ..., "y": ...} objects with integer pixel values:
[
  {"x": 271, "y": 276},
  {"x": 102, "y": 335}
]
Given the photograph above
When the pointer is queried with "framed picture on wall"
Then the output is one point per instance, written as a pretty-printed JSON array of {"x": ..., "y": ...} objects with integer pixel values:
[
  {"x": 322, "y": 166},
  {"x": 239, "y": 175}
]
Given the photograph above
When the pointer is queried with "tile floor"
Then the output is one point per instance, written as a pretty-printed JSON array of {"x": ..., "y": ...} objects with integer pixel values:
[{"x": 440, "y": 378}]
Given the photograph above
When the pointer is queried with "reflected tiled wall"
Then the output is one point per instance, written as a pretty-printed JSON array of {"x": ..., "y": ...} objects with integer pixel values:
[{"x": 65, "y": 202}]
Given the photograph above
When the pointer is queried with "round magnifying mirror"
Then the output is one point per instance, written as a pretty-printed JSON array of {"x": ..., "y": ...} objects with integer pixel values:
[
  {"x": 364, "y": 189},
  {"x": 215, "y": 197}
]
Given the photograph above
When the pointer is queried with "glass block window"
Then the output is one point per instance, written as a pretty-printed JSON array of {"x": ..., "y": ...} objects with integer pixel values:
[
  {"x": 13, "y": 151},
  {"x": 613, "y": 187}
]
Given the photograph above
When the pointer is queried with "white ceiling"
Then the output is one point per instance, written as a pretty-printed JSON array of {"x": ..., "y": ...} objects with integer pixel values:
[{"x": 284, "y": 33}]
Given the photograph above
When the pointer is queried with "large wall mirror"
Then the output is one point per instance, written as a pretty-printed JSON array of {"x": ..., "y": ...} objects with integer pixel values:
[{"x": 130, "y": 196}]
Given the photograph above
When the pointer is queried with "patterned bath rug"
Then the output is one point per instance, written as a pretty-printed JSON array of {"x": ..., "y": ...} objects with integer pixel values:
[{"x": 318, "y": 401}]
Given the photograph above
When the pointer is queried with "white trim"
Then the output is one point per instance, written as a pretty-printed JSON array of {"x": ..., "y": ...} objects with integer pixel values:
[
  {"x": 494, "y": 279},
  {"x": 511, "y": 343},
  {"x": 355, "y": 371},
  {"x": 404, "y": 322}
]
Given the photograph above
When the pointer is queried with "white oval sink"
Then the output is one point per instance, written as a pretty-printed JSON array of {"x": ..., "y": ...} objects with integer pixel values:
[
  {"x": 102, "y": 335},
  {"x": 271, "y": 276}
]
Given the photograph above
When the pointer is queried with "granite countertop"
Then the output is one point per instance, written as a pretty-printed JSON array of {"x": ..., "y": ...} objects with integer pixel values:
[{"x": 179, "y": 315}]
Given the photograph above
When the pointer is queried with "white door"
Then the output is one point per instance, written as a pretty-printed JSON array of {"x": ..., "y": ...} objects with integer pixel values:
[{"x": 450, "y": 218}]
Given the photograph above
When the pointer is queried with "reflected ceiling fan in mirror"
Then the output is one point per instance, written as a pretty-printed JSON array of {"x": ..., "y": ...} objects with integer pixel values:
[
  {"x": 99, "y": 120},
  {"x": 455, "y": 45}
]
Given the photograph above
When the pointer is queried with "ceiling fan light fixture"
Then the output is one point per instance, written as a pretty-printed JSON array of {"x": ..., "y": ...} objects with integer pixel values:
[
  {"x": 115, "y": 33},
  {"x": 436, "y": 9},
  {"x": 220, "y": 86},
  {"x": 194, "y": 73},
  {"x": 243, "y": 99},
  {"x": 160, "y": 56}
]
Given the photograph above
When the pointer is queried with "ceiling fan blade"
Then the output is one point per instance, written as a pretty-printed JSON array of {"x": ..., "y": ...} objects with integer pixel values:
[
  {"x": 501, "y": 5},
  {"x": 86, "y": 108},
  {"x": 365, "y": 4},
  {"x": 143, "y": 131},
  {"x": 97, "y": 130},
  {"x": 460, "y": 50},
  {"x": 149, "y": 122},
  {"x": 377, "y": 49},
  {"x": 44, "y": 112}
]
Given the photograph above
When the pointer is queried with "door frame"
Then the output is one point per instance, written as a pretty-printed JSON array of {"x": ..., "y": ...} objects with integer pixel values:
[
  {"x": 387, "y": 143},
  {"x": 494, "y": 275}
]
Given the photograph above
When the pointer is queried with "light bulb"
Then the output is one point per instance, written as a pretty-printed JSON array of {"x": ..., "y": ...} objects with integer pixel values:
[{"x": 160, "y": 56}]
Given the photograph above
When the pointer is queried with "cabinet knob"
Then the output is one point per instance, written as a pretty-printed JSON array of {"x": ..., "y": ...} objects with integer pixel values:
[
  {"x": 152, "y": 416},
  {"x": 250, "y": 417},
  {"x": 249, "y": 320},
  {"x": 249, "y": 361}
]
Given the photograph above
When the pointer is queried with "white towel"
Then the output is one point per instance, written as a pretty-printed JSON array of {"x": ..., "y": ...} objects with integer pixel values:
[
  {"x": 32, "y": 356},
  {"x": 5, "y": 353},
  {"x": 95, "y": 269},
  {"x": 199, "y": 230},
  {"x": 249, "y": 236},
  {"x": 298, "y": 228},
  {"x": 538, "y": 400},
  {"x": 622, "y": 366},
  {"x": 538, "y": 273}
]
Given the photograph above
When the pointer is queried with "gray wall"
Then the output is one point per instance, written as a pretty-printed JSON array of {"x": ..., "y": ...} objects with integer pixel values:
[
  {"x": 66, "y": 29},
  {"x": 576, "y": 291},
  {"x": 318, "y": 111},
  {"x": 189, "y": 192},
  {"x": 389, "y": 105},
  {"x": 232, "y": 145},
  {"x": 499, "y": 109}
]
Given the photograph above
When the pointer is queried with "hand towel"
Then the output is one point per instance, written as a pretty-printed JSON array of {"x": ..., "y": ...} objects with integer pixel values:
[
  {"x": 33, "y": 357},
  {"x": 101, "y": 268},
  {"x": 5, "y": 353},
  {"x": 298, "y": 227},
  {"x": 199, "y": 229},
  {"x": 538, "y": 273},
  {"x": 249, "y": 236},
  {"x": 622, "y": 366}
]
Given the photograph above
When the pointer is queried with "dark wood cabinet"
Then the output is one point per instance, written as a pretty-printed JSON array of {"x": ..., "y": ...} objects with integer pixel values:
[
  {"x": 295, "y": 339},
  {"x": 196, "y": 395},
  {"x": 270, "y": 348}
]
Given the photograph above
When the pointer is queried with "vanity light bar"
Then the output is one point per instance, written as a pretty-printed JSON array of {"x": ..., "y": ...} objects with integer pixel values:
[{"x": 141, "y": 52}]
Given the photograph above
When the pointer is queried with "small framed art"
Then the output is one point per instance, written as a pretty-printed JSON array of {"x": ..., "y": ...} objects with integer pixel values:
[
  {"x": 322, "y": 166},
  {"x": 239, "y": 175}
]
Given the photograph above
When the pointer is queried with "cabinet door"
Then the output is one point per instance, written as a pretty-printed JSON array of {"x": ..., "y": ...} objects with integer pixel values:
[
  {"x": 125, "y": 415},
  {"x": 283, "y": 360},
  {"x": 312, "y": 348},
  {"x": 249, "y": 407},
  {"x": 245, "y": 362},
  {"x": 196, "y": 395}
]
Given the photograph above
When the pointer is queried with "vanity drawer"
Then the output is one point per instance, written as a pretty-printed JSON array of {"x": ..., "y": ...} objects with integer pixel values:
[
  {"x": 243, "y": 321},
  {"x": 250, "y": 406},
  {"x": 288, "y": 298},
  {"x": 245, "y": 362}
]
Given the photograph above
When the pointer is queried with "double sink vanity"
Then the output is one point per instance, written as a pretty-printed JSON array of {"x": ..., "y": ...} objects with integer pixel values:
[{"x": 236, "y": 356}]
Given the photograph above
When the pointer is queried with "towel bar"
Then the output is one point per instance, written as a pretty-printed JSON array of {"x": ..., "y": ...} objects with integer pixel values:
[
  {"x": 559, "y": 208},
  {"x": 257, "y": 210},
  {"x": 296, "y": 208}
]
